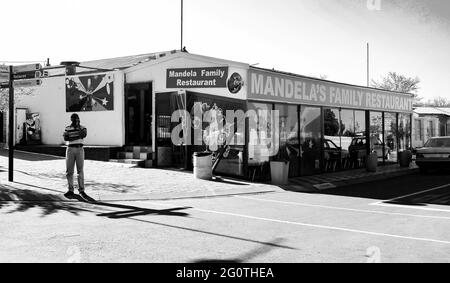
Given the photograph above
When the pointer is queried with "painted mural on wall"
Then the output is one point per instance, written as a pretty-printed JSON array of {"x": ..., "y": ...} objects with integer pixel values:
[
  {"x": 90, "y": 93},
  {"x": 33, "y": 128}
]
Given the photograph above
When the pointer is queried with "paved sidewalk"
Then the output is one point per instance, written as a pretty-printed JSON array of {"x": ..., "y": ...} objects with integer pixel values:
[
  {"x": 107, "y": 181},
  {"x": 42, "y": 177},
  {"x": 322, "y": 182}
]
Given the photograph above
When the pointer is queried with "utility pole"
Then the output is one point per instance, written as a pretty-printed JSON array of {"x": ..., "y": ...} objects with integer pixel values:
[
  {"x": 11, "y": 125},
  {"x": 368, "y": 65},
  {"x": 182, "y": 8}
]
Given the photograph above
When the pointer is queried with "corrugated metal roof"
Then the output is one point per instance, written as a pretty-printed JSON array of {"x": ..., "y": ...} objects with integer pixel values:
[
  {"x": 114, "y": 63},
  {"x": 127, "y": 61},
  {"x": 432, "y": 111}
]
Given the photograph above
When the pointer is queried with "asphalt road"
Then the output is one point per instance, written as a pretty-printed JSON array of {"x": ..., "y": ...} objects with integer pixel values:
[{"x": 406, "y": 219}]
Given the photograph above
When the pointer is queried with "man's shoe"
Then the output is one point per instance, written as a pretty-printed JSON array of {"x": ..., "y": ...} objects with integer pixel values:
[
  {"x": 86, "y": 197},
  {"x": 69, "y": 195}
]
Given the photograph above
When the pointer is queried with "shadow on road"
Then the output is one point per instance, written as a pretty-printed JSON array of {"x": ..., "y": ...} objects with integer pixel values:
[
  {"x": 26, "y": 156},
  {"x": 230, "y": 182},
  {"x": 93, "y": 185},
  {"x": 22, "y": 200},
  {"x": 411, "y": 190},
  {"x": 268, "y": 244},
  {"x": 249, "y": 255},
  {"x": 132, "y": 211}
]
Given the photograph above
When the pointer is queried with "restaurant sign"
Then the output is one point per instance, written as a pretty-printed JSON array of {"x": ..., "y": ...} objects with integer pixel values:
[
  {"x": 266, "y": 85},
  {"x": 215, "y": 77}
]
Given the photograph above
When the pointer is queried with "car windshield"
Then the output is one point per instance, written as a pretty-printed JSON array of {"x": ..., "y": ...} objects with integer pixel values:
[
  {"x": 330, "y": 144},
  {"x": 438, "y": 143}
]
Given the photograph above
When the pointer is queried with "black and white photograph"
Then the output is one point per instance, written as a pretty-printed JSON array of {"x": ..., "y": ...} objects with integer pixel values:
[{"x": 225, "y": 138}]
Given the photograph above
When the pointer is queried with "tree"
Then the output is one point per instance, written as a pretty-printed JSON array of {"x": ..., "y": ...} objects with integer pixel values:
[
  {"x": 437, "y": 102},
  {"x": 400, "y": 83},
  {"x": 331, "y": 123},
  {"x": 18, "y": 94}
]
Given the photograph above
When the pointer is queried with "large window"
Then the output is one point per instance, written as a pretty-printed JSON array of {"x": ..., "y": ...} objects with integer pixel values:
[
  {"x": 404, "y": 131},
  {"x": 217, "y": 134},
  {"x": 376, "y": 134},
  {"x": 430, "y": 129},
  {"x": 418, "y": 129},
  {"x": 289, "y": 143},
  {"x": 354, "y": 142},
  {"x": 261, "y": 139},
  {"x": 310, "y": 139},
  {"x": 332, "y": 139},
  {"x": 360, "y": 123},
  {"x": 390, "y": 137},
  {"x": 348, "y": 128}
]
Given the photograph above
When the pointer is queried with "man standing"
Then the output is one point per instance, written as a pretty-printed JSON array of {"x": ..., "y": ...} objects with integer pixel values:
[{"x": 74, "y": 136}]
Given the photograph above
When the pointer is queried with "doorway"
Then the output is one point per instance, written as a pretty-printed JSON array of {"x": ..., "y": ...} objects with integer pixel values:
[{"x": 138, "y": 114}]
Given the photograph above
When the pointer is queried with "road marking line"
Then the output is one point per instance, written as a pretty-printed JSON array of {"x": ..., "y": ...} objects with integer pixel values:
[
  {"x": 409, "y": 207},
  {"x": 418, "y": 193},
  {"x": 312, "y": 225},
  {"x": 344, "y": 209}
]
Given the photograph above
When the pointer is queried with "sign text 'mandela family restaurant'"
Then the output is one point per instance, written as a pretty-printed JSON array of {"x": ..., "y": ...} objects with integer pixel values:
[{"x": 197, "y": 77}]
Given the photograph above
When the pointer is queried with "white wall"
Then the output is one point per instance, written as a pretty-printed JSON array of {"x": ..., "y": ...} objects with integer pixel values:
[
  {"x": 156, "y": 72},
  {"x": 105, "y": 128},
  {"x": 421, "y": 136}
]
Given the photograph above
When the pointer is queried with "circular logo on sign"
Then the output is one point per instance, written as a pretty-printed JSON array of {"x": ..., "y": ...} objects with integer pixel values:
[{"x": 235, "y": 83}]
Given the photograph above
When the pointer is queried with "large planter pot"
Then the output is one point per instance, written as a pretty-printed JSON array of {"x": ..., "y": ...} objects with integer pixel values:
[
  {"x": 372, "y": 162},
  {"x": 164, "y": 157},
  {"x": 279, "y": 172},
  {"x": 203, "y": 165},
  {"x": 405, "y": 158}
]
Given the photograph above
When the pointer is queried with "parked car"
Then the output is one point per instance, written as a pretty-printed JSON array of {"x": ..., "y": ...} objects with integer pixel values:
[
  {"x": 332, "y": 151},
  {"x": 359, "y": 145},
  {"x": 434, "y": 154}
]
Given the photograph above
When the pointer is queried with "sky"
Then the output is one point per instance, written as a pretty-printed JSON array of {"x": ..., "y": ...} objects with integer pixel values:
[{"x": 308, "y": 37}]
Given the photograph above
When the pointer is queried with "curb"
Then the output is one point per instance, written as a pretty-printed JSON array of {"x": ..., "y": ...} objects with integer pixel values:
[
  {"x": 318, "y": 188},
  {"x": 383, "y": 176},
  {"x": 150, "y": 197}
]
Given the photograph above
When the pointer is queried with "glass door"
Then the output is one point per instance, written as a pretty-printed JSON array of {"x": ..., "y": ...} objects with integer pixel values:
[
  {"x": 289, "y": 142},
  {"x": 390, "y": 137},
  {"x": 310, "y": 140},
  {"x": 377, "y": 135}
]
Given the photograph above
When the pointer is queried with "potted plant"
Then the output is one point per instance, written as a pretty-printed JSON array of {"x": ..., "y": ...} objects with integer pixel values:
[
  {"x": 279, "y": 167},
  {"x": 405, "y": 158},
  {"x": 372, "y": 162}
]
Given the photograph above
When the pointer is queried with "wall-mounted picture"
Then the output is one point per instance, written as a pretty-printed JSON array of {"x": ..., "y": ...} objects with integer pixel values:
[
  {"x": 33, "y": 128},
  {"x": 90, "y": 93}
]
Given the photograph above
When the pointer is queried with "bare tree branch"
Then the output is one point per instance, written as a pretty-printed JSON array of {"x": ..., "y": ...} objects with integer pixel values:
[{"x": 400, "y": 83}]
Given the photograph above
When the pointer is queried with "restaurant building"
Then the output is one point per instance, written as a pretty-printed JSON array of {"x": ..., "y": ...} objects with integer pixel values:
[{"x": 128, "y": 106}]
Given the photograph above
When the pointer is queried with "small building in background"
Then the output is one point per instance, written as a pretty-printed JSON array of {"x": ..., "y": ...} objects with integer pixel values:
[{"x": 430, "y": 122}]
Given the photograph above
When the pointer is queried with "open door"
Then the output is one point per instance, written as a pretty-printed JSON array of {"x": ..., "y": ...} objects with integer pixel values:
[{"x": 138, "y": 114}]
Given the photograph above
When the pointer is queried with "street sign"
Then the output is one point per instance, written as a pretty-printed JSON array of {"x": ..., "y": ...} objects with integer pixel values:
[
  {"x": 28, "y": 75},
  {"x": 27, "y": 68},
  {"x": 27, "y": 83},
  {"x": 4, "y": 69},
  {"x": 4, "y": 77}
]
